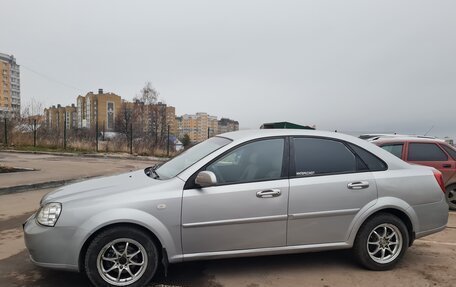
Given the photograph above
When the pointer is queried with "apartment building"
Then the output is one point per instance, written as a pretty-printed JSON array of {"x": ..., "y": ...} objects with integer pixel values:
[
  {"x": 171, "y": 120},
  {"x": 56, "y": 117},
  {"x": 152, "y": 117},
  {"x": 10, "y": 91},
  {"x": 227, "y": 125},
  {"x": 201, "y": 126},
  {"x": 108, "y": 109},
  {"x": 101, "y": 107}
]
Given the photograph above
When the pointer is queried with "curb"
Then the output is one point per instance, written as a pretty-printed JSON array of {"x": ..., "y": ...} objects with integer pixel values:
[
  {"x": 90, "y": 155},
  {"x": 40, "y": 185}
]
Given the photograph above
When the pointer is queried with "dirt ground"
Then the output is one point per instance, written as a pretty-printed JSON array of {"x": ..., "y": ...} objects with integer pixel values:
[
  {"x": 430, "y": 262},
  {"x": 49, "y": 168}
]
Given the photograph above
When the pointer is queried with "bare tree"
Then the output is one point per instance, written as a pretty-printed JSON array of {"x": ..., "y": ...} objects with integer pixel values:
[
  {"x": 153, "y": 114},
  {"x": 124, "y": 119},
  {"x": 148, "y": 94},
  {"x": 32, "y": 115},
  {"x": 32, "y": 108}
]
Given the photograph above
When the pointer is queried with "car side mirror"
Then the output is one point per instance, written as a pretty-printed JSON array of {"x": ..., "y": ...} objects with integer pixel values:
[{"x": 206, "y": 179}]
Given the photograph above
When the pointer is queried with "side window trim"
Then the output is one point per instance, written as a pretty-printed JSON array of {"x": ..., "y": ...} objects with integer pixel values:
[{"x": 190, "y": 183}]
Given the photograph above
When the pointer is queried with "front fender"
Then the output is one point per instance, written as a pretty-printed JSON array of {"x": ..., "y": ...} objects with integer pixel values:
[{"x": 126, "y": 215}]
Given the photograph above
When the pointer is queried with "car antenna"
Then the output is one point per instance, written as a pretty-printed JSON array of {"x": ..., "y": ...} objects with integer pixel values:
[{"x": 429, "y": 130}]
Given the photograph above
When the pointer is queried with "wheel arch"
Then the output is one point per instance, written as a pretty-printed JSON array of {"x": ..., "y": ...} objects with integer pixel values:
[
  {"x": 85, "y": 246},
  {"x": 167, "y": 240},
  {"x": 401, "y": 215},
  {"x": 393, "y": 206}
]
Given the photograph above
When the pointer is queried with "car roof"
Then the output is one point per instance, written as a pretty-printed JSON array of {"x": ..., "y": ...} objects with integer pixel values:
[
  {"x": 262, "y": 133},
  {"x": 407, "y": 139}
]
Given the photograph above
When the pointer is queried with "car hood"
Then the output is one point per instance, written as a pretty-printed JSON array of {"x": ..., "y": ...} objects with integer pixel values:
[{"x": 103, "y": 186}]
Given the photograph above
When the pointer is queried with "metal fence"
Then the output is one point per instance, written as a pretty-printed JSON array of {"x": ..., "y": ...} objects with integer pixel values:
[{"x": 32, "y": 135}]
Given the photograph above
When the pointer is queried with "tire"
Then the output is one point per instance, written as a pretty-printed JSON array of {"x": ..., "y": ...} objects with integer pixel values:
[
  {"x": 450, "y": 195},
  {"x": 370, "y": 244},
  {"x": 106, "y": 259}
]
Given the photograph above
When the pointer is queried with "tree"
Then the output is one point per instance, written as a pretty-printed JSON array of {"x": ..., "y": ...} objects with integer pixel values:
[
  {"x": 154, "y": 114},
  {"x": 148, "y": 94},
  {"x": 31, "y": 114},
  {"x": 124, "y": 119},
  {"x": 32, "y": 108},
  {"x": 186, "y": 140}
]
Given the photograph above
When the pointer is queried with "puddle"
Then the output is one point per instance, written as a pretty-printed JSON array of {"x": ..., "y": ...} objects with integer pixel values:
[{"x": 7, "y": 169}]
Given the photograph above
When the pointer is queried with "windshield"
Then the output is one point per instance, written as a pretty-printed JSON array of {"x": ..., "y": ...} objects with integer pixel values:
[{"x": 186, "y": 159}]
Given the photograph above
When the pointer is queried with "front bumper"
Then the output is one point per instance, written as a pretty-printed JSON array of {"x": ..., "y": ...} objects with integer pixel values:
[{"x": 50, "y": 247}]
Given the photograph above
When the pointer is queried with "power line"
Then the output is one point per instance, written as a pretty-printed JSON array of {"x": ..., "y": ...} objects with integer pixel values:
[{"x": 51, "y": 78}]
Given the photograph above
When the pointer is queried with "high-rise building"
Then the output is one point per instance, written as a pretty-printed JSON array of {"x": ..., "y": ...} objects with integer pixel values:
[
  {"x": 56, "y": 117},
  {"x": 201, "y": 126},
  {"x": 10, "y": 86},
  {"x": 101, "y": 107},
  {"x": 152, "y": 120},
  {"x": 227, "y": 125},
  {"x": 171, "y": 119}
]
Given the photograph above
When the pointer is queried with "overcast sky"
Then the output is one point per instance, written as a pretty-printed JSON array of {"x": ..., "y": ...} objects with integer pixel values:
[{"x": 345, "y": 65}]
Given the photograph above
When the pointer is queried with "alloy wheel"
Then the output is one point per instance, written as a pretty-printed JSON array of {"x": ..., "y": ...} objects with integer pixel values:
[
  {"x": 451, "y": 197},
  {"x": 384, "y": 243},
  {"x": 122, "y": 262}
]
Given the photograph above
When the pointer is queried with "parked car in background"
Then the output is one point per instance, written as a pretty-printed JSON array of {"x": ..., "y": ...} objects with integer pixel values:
[
  {"x": 245, "y": 193},
  {"x": 426, "y": 151},
  {"x": 373, "y": 137}
]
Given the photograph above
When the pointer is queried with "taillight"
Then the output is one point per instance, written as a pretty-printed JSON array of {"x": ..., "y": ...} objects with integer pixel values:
[{"x": 439, "y": 177}]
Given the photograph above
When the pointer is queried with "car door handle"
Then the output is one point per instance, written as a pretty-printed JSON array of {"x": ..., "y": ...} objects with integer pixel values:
[
  {"x": 269, "y": 193},
  {"x": 446, "y": 166},
  {"x": 358, "y": 185}
]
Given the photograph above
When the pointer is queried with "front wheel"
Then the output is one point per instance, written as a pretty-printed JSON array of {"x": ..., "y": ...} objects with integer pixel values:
[
  {"x": 381, "y": 242},
  {"x": 450, "y": 194},
  {"x": 121, "y": 256}
]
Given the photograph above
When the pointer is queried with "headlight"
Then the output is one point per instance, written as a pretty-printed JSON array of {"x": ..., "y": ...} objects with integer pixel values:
[{"x": 49, "y": 214}]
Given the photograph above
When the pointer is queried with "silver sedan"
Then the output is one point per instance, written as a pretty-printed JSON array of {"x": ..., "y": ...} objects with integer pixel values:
[{"x": 244, "y": 193}]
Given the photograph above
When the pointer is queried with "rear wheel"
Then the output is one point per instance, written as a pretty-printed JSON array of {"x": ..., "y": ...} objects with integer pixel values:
[
  {"x": 381, "y": 242},
  {"x": 450, "y": 195},
  {"x": 121, "y": 256}
]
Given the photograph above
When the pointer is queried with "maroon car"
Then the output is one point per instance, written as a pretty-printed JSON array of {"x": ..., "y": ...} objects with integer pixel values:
[{"x": 426, "y": 151}]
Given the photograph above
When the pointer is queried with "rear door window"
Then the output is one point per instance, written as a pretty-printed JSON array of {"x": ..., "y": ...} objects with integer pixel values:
[
  {"x": 316, "y": 156},
  {"x": 425, "y": 152},
  {"x": 395, "y": 149}
]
